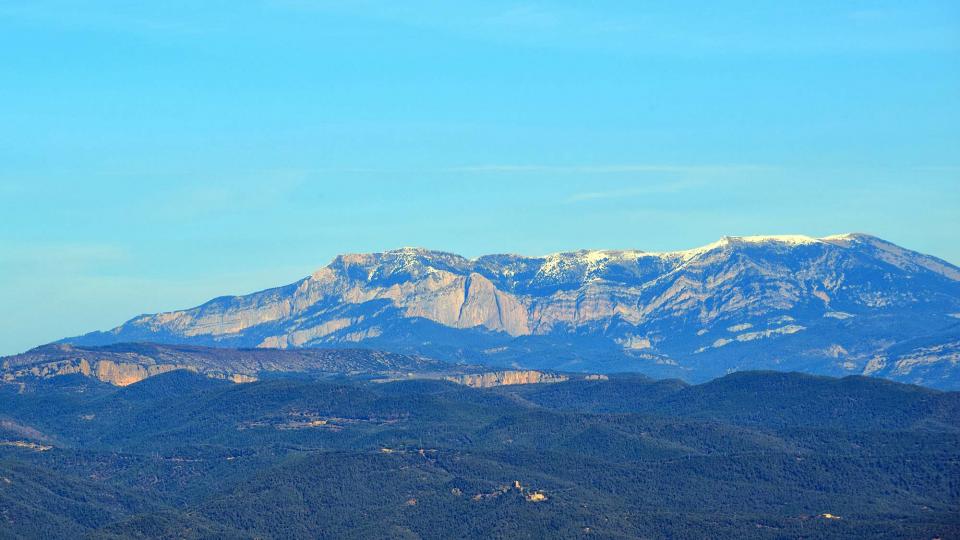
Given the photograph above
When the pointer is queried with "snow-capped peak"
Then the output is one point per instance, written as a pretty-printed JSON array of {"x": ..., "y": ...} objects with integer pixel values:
[{"x": 791, "y": 239}]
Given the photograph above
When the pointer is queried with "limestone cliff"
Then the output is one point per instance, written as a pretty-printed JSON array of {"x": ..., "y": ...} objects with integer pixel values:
[
  {"x": 108, "y": 371},
  {"x": 772, "y": 302},
  {"x": 503, "y": 378},
  {"x": 126, "y": 364}
]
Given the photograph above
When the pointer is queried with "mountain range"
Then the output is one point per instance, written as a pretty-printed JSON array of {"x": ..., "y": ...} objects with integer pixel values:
[
  {"x": 838, "y": 305},
  {"x": 420, "y": 394}
]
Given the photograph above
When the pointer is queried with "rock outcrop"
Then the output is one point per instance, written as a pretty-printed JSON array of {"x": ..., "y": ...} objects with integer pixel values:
[
  {"x": 126, "y": 364},
  {"x": 504, "y": 378},
  {"x": 825, "y": 305}
]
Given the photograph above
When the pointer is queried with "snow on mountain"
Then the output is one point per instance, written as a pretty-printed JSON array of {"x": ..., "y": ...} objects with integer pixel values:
[{"x": 825, "y": 305}]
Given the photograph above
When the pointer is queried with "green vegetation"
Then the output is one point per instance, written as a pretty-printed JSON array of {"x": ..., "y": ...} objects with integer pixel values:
[{"x": 761, "y": 455}]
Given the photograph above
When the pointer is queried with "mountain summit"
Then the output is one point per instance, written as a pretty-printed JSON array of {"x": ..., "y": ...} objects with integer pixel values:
[{"x": 843, "y": 304}]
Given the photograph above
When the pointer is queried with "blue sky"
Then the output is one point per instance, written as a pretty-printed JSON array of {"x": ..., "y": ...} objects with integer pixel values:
[{"x": 156, "y": 156}]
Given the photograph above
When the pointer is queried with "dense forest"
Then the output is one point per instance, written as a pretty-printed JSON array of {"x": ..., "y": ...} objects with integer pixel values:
[{"x": 756, "y": 454}]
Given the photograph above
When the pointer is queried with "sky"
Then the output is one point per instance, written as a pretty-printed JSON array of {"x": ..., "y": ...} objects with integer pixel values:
[{"x": 154, "y": 155}]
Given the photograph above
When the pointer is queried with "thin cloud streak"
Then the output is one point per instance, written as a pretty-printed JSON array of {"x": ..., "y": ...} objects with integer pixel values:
[
  {"x": 667, "y": 187},
  {"x": 59, "y": 258},
  {"x": 610, "y": 169}
]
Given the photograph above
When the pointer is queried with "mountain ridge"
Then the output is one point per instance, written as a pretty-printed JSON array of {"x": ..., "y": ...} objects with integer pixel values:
[
  {"x": 124, "y": 364},
  {"x": 675, "y": 313}
]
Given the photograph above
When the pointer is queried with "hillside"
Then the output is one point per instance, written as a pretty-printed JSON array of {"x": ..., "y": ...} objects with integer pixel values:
[
  {"x": 752, "y": 454},
  {"x": 846, "y": 304}
]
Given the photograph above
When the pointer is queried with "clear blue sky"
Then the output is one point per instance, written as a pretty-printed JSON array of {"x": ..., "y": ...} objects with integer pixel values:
[{"x": 155, "y": 157}]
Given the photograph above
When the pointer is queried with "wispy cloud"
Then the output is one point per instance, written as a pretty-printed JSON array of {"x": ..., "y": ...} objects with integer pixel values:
[
  {"x": 132, "y": 19},
  {"x": 10, "y": 188},
  {"x": 939, "y": 168},
  {"x": 549, "y": 169},
  {"x": 634, "y": 191},
  {"x": 526, "y": 16},
  {"x": 609, "y": 169},
  {"x": 60, "y": 257},
  {"x": 236, "y": 195}
]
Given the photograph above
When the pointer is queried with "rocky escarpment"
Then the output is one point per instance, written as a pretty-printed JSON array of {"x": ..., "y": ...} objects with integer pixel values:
[
  {"x": 504, "y": 378},
  {"x": 108, "y": 371},
  {"x": 125, "y": 364},
  {"x": 827, "y": 305}
]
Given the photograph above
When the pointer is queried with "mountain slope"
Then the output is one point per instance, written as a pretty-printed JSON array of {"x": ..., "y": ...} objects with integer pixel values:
[{"x": 845, "y": 304}]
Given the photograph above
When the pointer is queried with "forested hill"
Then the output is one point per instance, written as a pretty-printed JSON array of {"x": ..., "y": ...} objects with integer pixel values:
[{"x": 764, "y": 455}]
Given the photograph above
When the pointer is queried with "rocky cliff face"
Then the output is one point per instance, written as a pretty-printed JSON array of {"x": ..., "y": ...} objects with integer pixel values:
[
  {"x": 506, "y": 378},
  {"x": 108, "y": 371},
  {"x": 826, "y": 305},
  {"x": 126, "y": 364}
]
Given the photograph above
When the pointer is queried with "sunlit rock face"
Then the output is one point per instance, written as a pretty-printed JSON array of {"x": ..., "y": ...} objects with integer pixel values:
[
  {"x": 118, "y": 373},
  {"x": 506, "y": 378},
  {"x": 826, "y": 305},
  {"x": 129, "y": 363}
]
